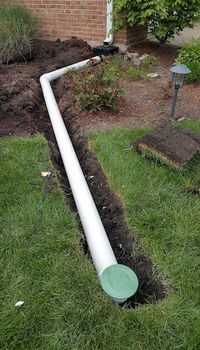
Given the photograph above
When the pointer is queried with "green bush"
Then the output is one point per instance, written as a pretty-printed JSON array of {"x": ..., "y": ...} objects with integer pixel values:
[
  {"x": 96, "y": 88},
  {"x": 164, "y": 18},
  {"x": 17, "y": 30},
  {"x": 190, "y": 56}
]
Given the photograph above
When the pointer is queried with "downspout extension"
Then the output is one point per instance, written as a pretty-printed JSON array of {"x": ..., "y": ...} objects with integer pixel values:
[
  {"x": 107, "y": 48},
  {"x": 109, "y": 35},
  {"x": 118, "y": 281}
]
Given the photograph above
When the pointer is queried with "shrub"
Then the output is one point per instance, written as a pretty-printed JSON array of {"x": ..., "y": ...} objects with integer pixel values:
[
  {"x": 164, "y": 18},
  {"x": 17, "y": 29},
  {"x": 96, "y": 88},
  {"x": 190, "y": 56}
]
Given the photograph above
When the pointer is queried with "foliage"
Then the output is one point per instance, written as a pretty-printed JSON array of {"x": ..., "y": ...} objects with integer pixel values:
[
  {"x": 149, "y": 62},
  {"x": 164, "y": 18},
  {"x": 190, "y": 56},
  {"x": 117, "y": 62},
  {"x": 98, "y": 87},
  {"x": 17, "y": 30},
  {"x": 189, "y": 52},
  {"x": 194, "y": 76},
  {"x": 134, "y": 73}
]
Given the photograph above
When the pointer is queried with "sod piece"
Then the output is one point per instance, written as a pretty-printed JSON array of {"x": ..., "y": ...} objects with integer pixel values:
[{"x": 173, "y": 145}]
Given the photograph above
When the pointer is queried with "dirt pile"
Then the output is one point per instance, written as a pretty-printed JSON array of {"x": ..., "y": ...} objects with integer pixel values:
[{"x": 21, "y": 100}]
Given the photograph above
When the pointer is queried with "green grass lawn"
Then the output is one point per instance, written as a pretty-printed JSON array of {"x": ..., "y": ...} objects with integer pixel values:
[
  {"x": 42, "y": 264},
  {"x": 165, "y": 218}
]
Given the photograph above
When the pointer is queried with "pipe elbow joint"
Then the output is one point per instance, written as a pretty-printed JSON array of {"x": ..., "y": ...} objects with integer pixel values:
[{"x": 44, "y": 77}]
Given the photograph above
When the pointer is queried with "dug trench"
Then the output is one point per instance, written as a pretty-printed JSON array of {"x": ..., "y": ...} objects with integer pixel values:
[{"x": 23, "y": 112}]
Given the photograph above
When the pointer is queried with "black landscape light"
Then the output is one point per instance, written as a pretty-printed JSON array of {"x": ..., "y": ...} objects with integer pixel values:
[{"x": 178, "y": 75}]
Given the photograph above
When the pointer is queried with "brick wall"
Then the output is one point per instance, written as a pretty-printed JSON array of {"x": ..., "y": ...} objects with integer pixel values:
[{"x": 85, "y": 19}]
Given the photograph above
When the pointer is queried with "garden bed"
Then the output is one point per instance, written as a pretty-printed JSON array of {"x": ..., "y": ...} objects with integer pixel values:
[{"x": 145, "y": 103}]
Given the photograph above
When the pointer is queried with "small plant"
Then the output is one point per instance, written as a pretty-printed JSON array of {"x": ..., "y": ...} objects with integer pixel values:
[
  {"x": 148, "y": 62},
  {"x": 17, "y": 29},
  {"x": 117, "y": 63},
  {"x": 135, "y": 73},
  {"x": 96, "y": 88},
  {"x": 190, "y": 56}
]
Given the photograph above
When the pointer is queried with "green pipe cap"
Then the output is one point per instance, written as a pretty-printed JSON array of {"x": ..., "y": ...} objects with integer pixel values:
[{"x": 119, "y": 281}]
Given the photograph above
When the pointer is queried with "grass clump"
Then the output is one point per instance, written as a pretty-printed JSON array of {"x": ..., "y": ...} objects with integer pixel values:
[
  {"x": 117, "y": 63},
  {"x": 147, "y": 65},
  {"x": 134, "y": 73},
  {"x": 190, "y": 56},
  {"x": 17, "y": 30},
  {"x": 97, "y": 87},
  {"x": 148, "y": 62}
]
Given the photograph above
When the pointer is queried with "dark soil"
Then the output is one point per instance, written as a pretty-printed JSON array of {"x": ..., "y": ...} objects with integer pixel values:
[
  {"x": 23, "y": 112},
  {"x": 174, "y": 144},
  {"x": 20, "y": 92},
  {"x": 194, "y": 191}
]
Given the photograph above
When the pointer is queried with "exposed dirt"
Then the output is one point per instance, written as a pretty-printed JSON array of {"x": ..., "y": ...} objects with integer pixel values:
[
  {"x": 23, "y": 112},
  {"x": 194, "y": 190},
  {"x": 174, "y": 144},
  {"x": 20, "y": 92},
  {"x": 111, "y": 210}
]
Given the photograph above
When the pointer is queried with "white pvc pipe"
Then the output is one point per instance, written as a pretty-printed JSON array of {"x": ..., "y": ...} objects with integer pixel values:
[
  {"x": 118, "y": 281},
  {"x": 99, "y": 245},
  {"x": 109, "y": 35}
]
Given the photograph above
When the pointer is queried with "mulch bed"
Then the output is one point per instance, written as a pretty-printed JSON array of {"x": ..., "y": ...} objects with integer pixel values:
[
  {"x": 145, "y": 103},
  {"x": 23, "y": 112}
]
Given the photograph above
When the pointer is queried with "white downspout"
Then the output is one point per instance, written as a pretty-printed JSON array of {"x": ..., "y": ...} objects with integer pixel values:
[
  {"x": 98, "y": 243},
  {"x": 109, "y": 35}
]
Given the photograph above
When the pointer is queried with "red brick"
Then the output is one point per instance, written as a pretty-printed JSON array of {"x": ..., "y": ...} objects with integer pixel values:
[{"x": 83, "y": 18}]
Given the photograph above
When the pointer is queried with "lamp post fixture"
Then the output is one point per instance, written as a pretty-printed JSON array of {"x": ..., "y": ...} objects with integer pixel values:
[{"x": 178, "y": 75}]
